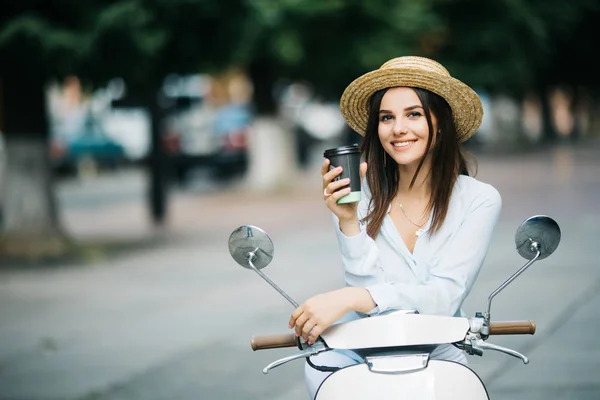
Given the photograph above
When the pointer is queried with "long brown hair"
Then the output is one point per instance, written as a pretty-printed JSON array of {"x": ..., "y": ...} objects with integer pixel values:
[{"x": 383, "y": 177}]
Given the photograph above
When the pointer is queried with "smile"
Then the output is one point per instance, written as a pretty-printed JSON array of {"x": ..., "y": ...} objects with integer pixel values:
[{"x": 403, "y": 144}]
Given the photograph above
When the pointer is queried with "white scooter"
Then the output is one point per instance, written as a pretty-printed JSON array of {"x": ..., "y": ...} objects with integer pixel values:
[{"x": 396, "y": 346}]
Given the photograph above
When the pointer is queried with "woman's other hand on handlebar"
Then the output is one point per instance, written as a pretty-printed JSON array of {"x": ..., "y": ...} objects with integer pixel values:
[{"x": 319, "y": 312}]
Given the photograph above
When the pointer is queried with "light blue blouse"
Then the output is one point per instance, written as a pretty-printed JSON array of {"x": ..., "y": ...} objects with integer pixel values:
[{"x": 439, "y": 274}]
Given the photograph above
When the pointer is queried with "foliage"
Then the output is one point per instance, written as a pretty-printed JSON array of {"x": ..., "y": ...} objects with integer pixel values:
[
  {"x": 138, "y": 40},
  {"x": 501, "y": 45},
  {"x": 330, "y": 43},
  {"x": 512, "y": 45}
]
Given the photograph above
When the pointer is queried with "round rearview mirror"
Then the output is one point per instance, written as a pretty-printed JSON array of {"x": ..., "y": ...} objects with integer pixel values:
[
  {"x": 250, "y": 243},
  {"x": 537, "y": 233}
]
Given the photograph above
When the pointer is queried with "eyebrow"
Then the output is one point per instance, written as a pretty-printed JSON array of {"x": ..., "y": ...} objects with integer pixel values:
[{"x": 406, "y": 109}]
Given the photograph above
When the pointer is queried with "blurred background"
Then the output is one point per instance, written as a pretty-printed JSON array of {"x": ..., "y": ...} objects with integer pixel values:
[{"x": 136, "y": 135}]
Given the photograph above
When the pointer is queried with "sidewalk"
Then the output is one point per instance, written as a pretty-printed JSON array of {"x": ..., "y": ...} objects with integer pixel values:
[{"x": 191, "y": 213}]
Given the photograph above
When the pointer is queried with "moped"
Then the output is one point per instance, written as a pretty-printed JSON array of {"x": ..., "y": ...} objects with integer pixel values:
[{"x": 396, "y": 346}]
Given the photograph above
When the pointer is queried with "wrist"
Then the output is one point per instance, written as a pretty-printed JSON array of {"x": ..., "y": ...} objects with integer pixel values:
[
  {"x": 359, "y": 299},
  {"x": 350, "y": 227}
]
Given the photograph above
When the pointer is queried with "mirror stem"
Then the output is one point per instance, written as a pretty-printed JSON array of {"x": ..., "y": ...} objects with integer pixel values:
[
  {"x": 534, "y": 247},
  {"x": 251, "y": 258}
]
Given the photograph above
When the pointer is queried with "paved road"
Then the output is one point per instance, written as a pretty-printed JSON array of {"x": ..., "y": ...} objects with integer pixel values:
[
  {"x": 126, "y": 185},
  {"x": 174, "y": 321}
]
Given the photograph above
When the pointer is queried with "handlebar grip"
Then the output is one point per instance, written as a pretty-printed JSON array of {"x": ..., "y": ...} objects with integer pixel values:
[
  {"x": 274, "y": 341},
  {"x": 512, "y": 328}
]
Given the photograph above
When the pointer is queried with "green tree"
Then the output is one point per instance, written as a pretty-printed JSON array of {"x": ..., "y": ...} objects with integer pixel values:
[
  {"x": 328, "y": 43},
  {"x": 518, "y": 47},
  {"x": 137, "y": 40}
]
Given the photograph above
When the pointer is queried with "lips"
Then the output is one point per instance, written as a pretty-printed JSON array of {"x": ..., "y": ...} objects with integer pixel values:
[{"x": 403, "y": 144}]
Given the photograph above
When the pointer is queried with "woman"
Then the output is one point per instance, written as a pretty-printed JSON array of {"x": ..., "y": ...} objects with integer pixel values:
[{"x": 418, "y": 237}]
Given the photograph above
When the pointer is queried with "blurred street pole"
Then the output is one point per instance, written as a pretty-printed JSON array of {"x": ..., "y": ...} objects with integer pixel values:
[
  {"x": 157, "y": 196},
  {"x": 157, "y": 192}
]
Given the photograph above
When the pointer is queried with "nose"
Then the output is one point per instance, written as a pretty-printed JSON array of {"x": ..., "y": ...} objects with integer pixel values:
[{"x": 400, "y": 127}]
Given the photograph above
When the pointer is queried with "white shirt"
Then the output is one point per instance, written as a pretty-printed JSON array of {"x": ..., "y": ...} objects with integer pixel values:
[{"x": 439, "y": 274}]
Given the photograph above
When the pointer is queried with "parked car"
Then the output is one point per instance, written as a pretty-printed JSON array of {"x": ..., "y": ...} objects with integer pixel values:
[
  {"x": 86, "y": 150},
  {"x": 215, "y": 139},
  {"x": 231, "y": 127}
]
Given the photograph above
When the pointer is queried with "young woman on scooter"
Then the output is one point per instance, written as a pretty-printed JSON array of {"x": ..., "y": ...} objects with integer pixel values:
[{"x": 419, "y": 235}]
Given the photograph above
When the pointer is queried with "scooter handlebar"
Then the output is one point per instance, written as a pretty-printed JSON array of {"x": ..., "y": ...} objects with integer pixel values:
[
  {"x": 274, "y": 341},
  {"x": 290, "y": 340},
  {"x": 512, "y": 328}
]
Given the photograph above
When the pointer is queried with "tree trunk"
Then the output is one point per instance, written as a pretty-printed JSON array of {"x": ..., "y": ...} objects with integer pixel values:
[
  {"x": 273, "y": 158},
  {"x": 30, "y": 225},
  {"x": 157, "y": 168},
  {"x": 505, "y": 124},
  {"x": 581, "y": 109},
  {"x": 157, "y": 163},
  {"x": 548, "y": 131}
]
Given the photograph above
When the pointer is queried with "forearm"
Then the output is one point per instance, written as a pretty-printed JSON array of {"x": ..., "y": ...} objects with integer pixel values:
[{"x": 359, "y": 299}]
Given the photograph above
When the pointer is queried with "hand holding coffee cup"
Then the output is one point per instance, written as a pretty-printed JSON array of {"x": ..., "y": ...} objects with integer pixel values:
[{"x": 342, "y": 183}]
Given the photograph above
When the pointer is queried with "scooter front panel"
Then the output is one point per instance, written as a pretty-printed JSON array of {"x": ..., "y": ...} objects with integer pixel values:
[
  {"x": 396, "y": 329},
  {"x": 441, "y": 380}
]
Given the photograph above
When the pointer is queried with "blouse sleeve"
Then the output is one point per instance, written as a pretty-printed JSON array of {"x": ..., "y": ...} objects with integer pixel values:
[
  {"x": 452, "y": 276},
  {"x": 360, "y": 254},
  {"x": 360, "y": 257}
]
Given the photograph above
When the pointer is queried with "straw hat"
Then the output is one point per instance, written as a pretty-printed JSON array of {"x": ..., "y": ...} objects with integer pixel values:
[{"x": 413, "y": 72}]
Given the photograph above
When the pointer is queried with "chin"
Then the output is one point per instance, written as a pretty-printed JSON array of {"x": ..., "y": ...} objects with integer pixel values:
[{"x": 407, "y": 159}]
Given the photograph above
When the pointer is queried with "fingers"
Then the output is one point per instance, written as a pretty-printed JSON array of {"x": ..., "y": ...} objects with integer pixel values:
[
  {"x": 297, "y": 312},
  {"x": 300, "y": 324},
  {"x": 298, "y": 321},
  {"x": 307, "y": 328},
  {"x": 336, "y": 185},
  {"x": 304, "y": 326},
  {"x": 315, "y": 332},
  {"x": 328, "y": 176},
  {"x": 325, "y": 166},
  {"x": 336, "y": 195}
]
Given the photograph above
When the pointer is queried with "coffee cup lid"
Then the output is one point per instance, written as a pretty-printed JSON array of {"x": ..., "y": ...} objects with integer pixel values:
[{"x": 341, "y": 150}]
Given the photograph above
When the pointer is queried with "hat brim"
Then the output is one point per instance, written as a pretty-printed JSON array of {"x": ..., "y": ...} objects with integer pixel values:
[{"x": 464, "y": 102}]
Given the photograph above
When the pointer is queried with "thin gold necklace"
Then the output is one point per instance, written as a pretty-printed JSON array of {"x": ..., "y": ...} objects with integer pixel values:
[{"x": 419, "y": 231}]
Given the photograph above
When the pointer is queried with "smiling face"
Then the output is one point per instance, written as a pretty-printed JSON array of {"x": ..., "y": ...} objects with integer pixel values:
[{"x": 403, "y": 129}]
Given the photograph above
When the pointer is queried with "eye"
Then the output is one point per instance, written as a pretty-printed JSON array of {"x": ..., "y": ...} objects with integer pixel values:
[
  {"x": 385, "y": 117},
  {"x": 414, "y": 114}
]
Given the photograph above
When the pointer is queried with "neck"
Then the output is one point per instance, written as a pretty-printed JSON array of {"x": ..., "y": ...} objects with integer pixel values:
[{"x": 421, "y": 189}]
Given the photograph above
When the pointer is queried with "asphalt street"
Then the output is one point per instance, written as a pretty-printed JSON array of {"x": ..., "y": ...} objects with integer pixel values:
[{"x": 174, "y": 320}]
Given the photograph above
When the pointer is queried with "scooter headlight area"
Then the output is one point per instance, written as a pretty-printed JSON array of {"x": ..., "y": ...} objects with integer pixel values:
[{"x": 397, "y": 346}]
